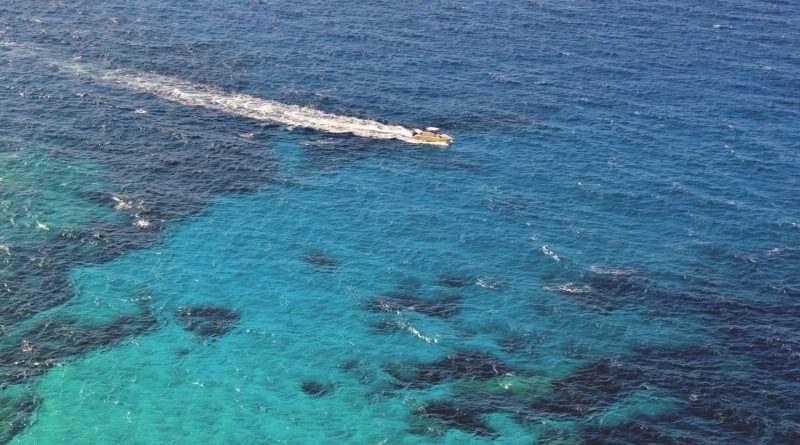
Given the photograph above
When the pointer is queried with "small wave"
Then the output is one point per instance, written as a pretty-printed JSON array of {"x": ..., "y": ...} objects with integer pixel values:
[
  {"x": 612, "y": 270},
  {"x": 569, "y": 288},
  {"x": 121, "y": 203},
  {"x": 547, "y": 251},
  {"x": 137, "y": 299},
  {"x": 780, "y": 250},
  {"x": 784, "y": 290},
  {"x": 487, "y": 284},
  {"x": 497, "y": 77},
  {"x": 420, "y": 335}
]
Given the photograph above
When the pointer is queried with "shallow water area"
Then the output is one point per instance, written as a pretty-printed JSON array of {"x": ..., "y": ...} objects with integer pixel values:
[{"x": 195, "y": 247}]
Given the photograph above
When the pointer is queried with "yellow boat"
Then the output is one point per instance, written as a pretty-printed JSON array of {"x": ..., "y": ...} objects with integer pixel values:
[{"x": 432, "y": 135}]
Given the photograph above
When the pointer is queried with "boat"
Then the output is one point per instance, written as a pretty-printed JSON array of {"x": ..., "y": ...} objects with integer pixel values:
[{"x": 432, "y": 135}]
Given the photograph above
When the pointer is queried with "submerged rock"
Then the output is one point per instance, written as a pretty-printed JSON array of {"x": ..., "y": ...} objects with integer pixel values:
[
  {"x": 316, "y": 389},
  {"x": 464, "y": 418},
  {"x": 319, "y": 260},
  {"x": 52, "y": 342},
  {"x": 636, "y": 431},
  {"x": 396, "y": 302},
  {"x": 455, "y": 280},
  {"x": 15, "y": 412},
  {"x": 604, "y": 292},
  {"x": 182, "y": 352},
  {"x": 462, "y": 365},
  {"x": 388, "y": 326},
  {"x": 593, "y": 387},
  {"x": 408, "y": 285},
  {"x": 207, "y": 320},
  {"x": 522, "y": 386}
]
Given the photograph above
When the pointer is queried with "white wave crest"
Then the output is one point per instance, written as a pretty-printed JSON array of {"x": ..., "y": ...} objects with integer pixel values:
[
  {"x": 421, "y": 336},
  {"x": 612, "y": 270},
  {"x": 488, "y": 284},
  {"x": 549, "y": 252},
  {"x": 569, "y": 288}
]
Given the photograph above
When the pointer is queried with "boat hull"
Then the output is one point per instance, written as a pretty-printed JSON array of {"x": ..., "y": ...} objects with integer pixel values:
[{"x": 434, "y": 139}]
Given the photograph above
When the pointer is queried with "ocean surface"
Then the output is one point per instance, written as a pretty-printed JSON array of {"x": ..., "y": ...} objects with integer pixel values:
[{"x": 214, "y": 228}]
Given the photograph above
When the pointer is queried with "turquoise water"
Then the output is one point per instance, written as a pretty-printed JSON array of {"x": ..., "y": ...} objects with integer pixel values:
[{"x": 608, "y": 253}]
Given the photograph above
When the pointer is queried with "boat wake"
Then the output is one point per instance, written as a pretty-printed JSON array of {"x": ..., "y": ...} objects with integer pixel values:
[{"x": 188, "y": 93}]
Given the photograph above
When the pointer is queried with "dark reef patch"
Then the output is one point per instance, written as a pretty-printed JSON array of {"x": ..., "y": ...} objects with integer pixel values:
[
  {"x": 15, "y": 413},
  {"x": 364, "y": 374},
  {"x": 319, "y": 260},
  {"x": 170, "y": 175},
  {"x": 182, "y": 352},
  {"x": 387, "y": 326},
  {"x": 398, "y": 302},
  {"x": 35, "y": 276},
  {"x": 704, "y": 397},
  {"x": 605, "y": 292},
  {"x": 330, "y": 152},
  {"x": 593, "y": 387},
  {"x": 408, "y": 285},
  {"x": 710, "y": 385},
  {"x": 634, "y": 432},
  {"x": 316, "y": 389},
  {"x": 518, "y": 344},
  {"x": 207, "y": 320},
  {"x": 26, "y": 293},
  {"x": 731, "y": 404},
  {"x": 52, "y": 342},
  {"x": 462, "y": 365},
  {"x": 457, "y": 281},
  {"x": 464, "y": 418}
]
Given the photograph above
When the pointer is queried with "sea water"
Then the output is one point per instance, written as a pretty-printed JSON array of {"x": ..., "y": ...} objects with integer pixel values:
[{"x": 607, "y": 253}]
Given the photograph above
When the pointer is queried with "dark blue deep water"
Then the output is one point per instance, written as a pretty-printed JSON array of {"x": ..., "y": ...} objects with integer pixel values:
[{"x": 608, "y": 253}]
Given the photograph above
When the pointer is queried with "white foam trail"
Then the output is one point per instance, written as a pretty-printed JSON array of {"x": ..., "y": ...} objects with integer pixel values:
[{"x": 188, "y": 93}]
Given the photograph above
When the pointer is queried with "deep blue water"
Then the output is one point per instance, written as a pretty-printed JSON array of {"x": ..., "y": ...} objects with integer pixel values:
[{"x": 608, "y": 253}]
